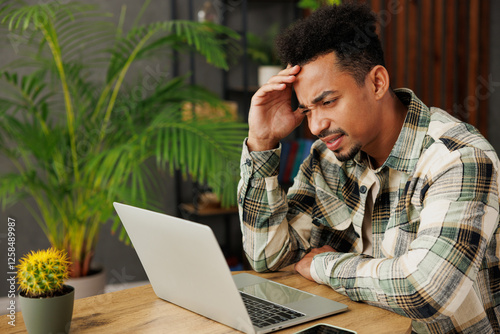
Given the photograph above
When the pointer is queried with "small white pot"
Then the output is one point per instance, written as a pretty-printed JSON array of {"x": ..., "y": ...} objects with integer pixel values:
[
  {"x": 90, "y": 285},
  {"x": 266, "y": 72}
]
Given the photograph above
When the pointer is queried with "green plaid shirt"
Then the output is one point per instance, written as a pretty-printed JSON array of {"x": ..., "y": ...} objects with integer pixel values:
[{"x": 436, "y": 237}]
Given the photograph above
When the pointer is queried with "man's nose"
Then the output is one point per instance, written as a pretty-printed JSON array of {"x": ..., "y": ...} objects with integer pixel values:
[{"x": 317, "y": 123}]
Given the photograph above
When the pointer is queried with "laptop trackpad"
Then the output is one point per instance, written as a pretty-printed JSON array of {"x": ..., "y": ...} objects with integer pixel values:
[{"x": 276, "y": 293}]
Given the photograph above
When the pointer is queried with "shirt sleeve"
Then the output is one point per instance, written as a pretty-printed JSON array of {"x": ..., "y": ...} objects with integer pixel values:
[
  {"x": 274, "y": 235},
  {"x": 458, "y": 221}
]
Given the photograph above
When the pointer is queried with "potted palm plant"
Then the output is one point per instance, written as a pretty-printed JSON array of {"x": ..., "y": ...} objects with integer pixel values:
[
  {"x": 78, "y": 126},
  {"x": 46, "y": 302}
]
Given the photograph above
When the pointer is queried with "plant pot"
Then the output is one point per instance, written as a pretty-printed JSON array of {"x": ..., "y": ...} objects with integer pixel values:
[
  {"x": 48, "y": 315},
  {"x": 90, "y": 285},
  {"x": 266, "y": 72}
]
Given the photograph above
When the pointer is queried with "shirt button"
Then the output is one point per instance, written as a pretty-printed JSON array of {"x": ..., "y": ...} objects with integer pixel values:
[
  {"x": 248, "y": 162},
  {"x": 362, "y": 189}
]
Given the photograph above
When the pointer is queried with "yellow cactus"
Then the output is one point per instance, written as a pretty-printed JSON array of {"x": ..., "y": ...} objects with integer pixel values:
[{"x": 42, "y": 273}]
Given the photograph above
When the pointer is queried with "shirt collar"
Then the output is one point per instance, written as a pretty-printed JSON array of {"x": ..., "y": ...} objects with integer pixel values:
[{"x": 408, "y": 147}]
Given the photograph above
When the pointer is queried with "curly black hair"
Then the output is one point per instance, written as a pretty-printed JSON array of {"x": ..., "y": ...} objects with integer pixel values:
[{"x": 349, "y": 30}]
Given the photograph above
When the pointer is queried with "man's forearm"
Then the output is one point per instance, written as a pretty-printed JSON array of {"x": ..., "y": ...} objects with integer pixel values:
[{"x": 269, "y": 241}]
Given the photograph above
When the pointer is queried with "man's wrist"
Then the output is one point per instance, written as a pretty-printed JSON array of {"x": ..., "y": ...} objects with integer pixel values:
[{"x": 261, "y": 145}]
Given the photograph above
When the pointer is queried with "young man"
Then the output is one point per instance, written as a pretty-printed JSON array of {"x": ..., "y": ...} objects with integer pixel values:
[{"x": 397, "y": 204}]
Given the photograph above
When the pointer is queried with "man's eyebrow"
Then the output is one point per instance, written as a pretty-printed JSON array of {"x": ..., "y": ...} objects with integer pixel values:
[{"x": 319, "y": 98}]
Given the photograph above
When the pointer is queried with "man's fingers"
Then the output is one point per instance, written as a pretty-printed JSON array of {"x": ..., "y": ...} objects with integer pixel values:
[
  {"x": 290, "y": 70},
  {"x": 288, "y": 79},
  {"x": 285, "y": 76},
  {"x": 323, "y": 249},
  {"x": 268, "y": 88},
  {"x": 327, "y": 248}
]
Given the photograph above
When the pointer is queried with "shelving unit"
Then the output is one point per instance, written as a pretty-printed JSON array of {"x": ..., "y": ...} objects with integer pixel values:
[
  {"x": 240, "y": 82},
  {"x": 238, "y": 85}
]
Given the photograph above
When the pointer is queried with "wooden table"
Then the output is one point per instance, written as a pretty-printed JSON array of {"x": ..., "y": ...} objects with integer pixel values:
[{"x": 138, "y": 310}]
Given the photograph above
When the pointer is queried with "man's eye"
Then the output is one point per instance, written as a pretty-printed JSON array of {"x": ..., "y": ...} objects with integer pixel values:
[
  {"x": 304, "y": 111},
  {"x": 329, "y": 102}
]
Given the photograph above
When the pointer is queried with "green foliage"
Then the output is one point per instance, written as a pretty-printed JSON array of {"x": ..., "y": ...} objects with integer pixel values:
[
  {"x": 315, "y": 4},
  {"x": 79, "y": 127},
  {"x": 262, "y": 49},
  {"x": 41, "y": 274}
]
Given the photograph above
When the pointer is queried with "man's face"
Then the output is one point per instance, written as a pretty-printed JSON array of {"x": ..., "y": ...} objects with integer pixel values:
[{"x": 338, "y": 110}]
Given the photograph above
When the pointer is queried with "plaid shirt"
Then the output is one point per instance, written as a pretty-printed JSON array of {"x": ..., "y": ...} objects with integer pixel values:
[{"x": 436, "y": 237}]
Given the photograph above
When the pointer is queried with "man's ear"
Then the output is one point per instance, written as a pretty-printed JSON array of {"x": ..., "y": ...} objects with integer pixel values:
[{"x": 379, "y": 81}]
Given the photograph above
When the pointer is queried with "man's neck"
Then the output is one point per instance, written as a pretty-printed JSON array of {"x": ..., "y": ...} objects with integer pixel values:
[{"x": 394, "y": 115}]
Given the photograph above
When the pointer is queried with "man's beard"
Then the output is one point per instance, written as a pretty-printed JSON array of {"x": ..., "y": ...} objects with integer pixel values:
[
  {"x": 341, "y": 157},
  {"x": 349, "y": 155}
]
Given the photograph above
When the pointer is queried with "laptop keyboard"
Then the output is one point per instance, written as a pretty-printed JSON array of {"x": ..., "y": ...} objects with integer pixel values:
[{"x": 264, "y": 313}]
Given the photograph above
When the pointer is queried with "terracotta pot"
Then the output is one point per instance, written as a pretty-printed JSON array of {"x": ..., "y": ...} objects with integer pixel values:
[{"x": 48, "y": 315}]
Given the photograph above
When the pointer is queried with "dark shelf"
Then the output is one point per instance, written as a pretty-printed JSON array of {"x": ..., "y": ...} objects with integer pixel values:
[{"x": 204, "y": 211}]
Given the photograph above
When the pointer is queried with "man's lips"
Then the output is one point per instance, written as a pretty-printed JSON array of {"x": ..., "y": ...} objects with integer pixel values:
[{"x": 333, "y": 142}]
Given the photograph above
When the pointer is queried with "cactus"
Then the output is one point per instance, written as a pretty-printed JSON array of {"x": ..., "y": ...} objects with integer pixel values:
[{"x": 42, "y": 273}]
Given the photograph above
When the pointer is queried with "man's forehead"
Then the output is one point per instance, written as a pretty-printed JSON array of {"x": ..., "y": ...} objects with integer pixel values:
[{"x": 314, "y": 85}]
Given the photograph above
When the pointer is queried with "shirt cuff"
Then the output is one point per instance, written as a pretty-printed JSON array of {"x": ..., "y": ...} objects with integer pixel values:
[
  {"x": 314, "y": 274},
  {"x": 322, "y": 266},
  {"x": 260, "y": 164}
]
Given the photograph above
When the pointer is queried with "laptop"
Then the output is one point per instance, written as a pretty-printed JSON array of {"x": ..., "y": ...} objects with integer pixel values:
[{"x": 185, "y": 266}]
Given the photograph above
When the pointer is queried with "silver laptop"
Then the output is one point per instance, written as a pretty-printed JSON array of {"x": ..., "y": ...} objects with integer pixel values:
[{"x": 185, "y": 266}]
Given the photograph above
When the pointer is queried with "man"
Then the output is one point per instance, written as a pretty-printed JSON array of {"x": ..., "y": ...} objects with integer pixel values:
[{"x": 397, "y": 204}]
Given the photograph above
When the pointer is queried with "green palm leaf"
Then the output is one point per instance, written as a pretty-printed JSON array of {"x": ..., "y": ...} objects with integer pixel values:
[
  {"x": 79, "y": 141},
  {"x": 11, "y": 186}
]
